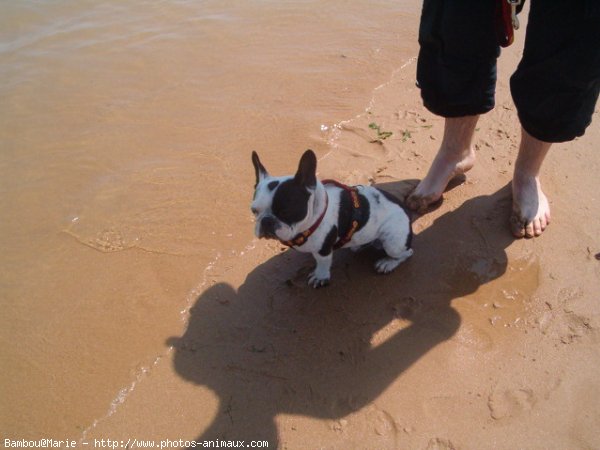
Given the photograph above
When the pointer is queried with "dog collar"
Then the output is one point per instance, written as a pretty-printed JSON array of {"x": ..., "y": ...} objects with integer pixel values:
[{"x": 301, "y": 238}]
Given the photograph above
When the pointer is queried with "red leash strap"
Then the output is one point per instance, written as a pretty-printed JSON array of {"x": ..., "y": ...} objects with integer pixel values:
[{"x": 506, "y": 21}]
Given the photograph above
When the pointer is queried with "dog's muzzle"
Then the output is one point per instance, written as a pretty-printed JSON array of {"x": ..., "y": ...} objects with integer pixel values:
[{"x": 268, "y": 226}]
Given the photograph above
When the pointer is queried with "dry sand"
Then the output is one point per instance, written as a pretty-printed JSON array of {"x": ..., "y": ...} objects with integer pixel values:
[{"x": 480, "y": 341}]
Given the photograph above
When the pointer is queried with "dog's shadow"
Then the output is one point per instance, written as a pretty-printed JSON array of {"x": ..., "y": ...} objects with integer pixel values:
[{"x": 277, "y": 346}]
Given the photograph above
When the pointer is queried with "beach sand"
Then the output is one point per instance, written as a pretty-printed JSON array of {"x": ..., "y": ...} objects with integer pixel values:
[{"x": 140, "y": 306}]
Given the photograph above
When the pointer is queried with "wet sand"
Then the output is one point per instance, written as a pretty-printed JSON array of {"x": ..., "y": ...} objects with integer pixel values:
[{"x": 139, "y": 305}]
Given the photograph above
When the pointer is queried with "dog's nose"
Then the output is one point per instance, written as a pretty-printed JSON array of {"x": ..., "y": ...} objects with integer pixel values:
[{"x": 268, "y": 225}]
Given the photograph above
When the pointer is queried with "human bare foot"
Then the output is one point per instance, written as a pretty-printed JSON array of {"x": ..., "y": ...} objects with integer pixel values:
[
  {"x": 530, "y": 211},
  {"x": 443, "y": 169},
  {"x": 455, "y": 157}
]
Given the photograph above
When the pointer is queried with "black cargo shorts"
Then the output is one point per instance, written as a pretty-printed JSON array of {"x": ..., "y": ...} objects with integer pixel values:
[{"x": 556, "y": 84}]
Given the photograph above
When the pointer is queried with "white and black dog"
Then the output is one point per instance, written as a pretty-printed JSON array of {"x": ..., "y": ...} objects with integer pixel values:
[{"x": 318, "y": 217}]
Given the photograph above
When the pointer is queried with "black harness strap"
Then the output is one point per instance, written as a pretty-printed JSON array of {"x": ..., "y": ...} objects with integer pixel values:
[{"x": 301, "y": 238}]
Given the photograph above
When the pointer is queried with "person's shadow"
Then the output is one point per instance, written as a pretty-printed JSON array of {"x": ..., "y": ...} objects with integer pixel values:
[{"x": 278, "y": 346}]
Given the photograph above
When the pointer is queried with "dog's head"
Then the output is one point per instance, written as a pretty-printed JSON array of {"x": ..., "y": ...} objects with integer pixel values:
[{"x": 283, "y": 206}]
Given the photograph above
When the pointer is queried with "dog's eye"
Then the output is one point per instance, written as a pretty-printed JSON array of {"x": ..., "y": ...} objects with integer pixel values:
[{"x": 254, "y": 210}]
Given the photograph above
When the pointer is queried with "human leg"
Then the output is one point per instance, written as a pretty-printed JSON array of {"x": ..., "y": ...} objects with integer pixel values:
[
  {"x": 530, "y": 212},
  {"x": 455, "y": 156},
  {"x": 456, "y": 72},
  {"x": 555, "y": 89}
]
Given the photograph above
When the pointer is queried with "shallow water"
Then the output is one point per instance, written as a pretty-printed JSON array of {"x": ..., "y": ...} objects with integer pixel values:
[{"x": 125, "y": 135}]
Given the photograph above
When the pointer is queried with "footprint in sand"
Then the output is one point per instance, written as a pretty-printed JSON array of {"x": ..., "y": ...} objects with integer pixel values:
[
  {"x": 109, "y": 240},
  {"x": 507, "y": 404},
  {"x": 573, "y": 328},
  {"x": 440, "y": 444},
  {"x": 383, "y": 422}
]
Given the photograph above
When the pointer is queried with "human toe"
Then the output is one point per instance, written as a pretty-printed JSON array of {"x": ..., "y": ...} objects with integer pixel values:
[{"x": 517, "y": 225}]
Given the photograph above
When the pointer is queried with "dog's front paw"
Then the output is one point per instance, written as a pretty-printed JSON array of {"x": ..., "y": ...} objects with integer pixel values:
[{"x": 317, "y": 281}]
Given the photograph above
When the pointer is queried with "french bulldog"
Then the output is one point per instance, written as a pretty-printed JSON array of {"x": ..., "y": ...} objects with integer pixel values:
[{"x": 320, "y": 216}]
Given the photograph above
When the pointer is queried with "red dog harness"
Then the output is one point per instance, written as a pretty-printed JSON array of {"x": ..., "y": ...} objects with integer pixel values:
[{"x": 301, "y": 238}]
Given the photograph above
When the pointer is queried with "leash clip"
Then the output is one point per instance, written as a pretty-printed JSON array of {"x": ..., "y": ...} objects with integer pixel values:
[{"x": 513, "y": 12}]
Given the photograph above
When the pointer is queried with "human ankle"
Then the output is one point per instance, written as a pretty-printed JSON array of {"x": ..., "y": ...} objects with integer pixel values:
[
  {"x": 522, "y": 175},
  {"x": 455, "y": 154}
]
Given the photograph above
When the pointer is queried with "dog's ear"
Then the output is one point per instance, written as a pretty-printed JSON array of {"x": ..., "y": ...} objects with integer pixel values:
[
  {"x": 307, "y": 170},
  {"x": 259, "y": 170}
]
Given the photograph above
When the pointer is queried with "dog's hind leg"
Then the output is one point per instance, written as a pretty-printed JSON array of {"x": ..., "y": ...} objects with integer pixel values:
[
  {"x": 389, "y": 263},
  {"x": 394, "y": 243}
]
